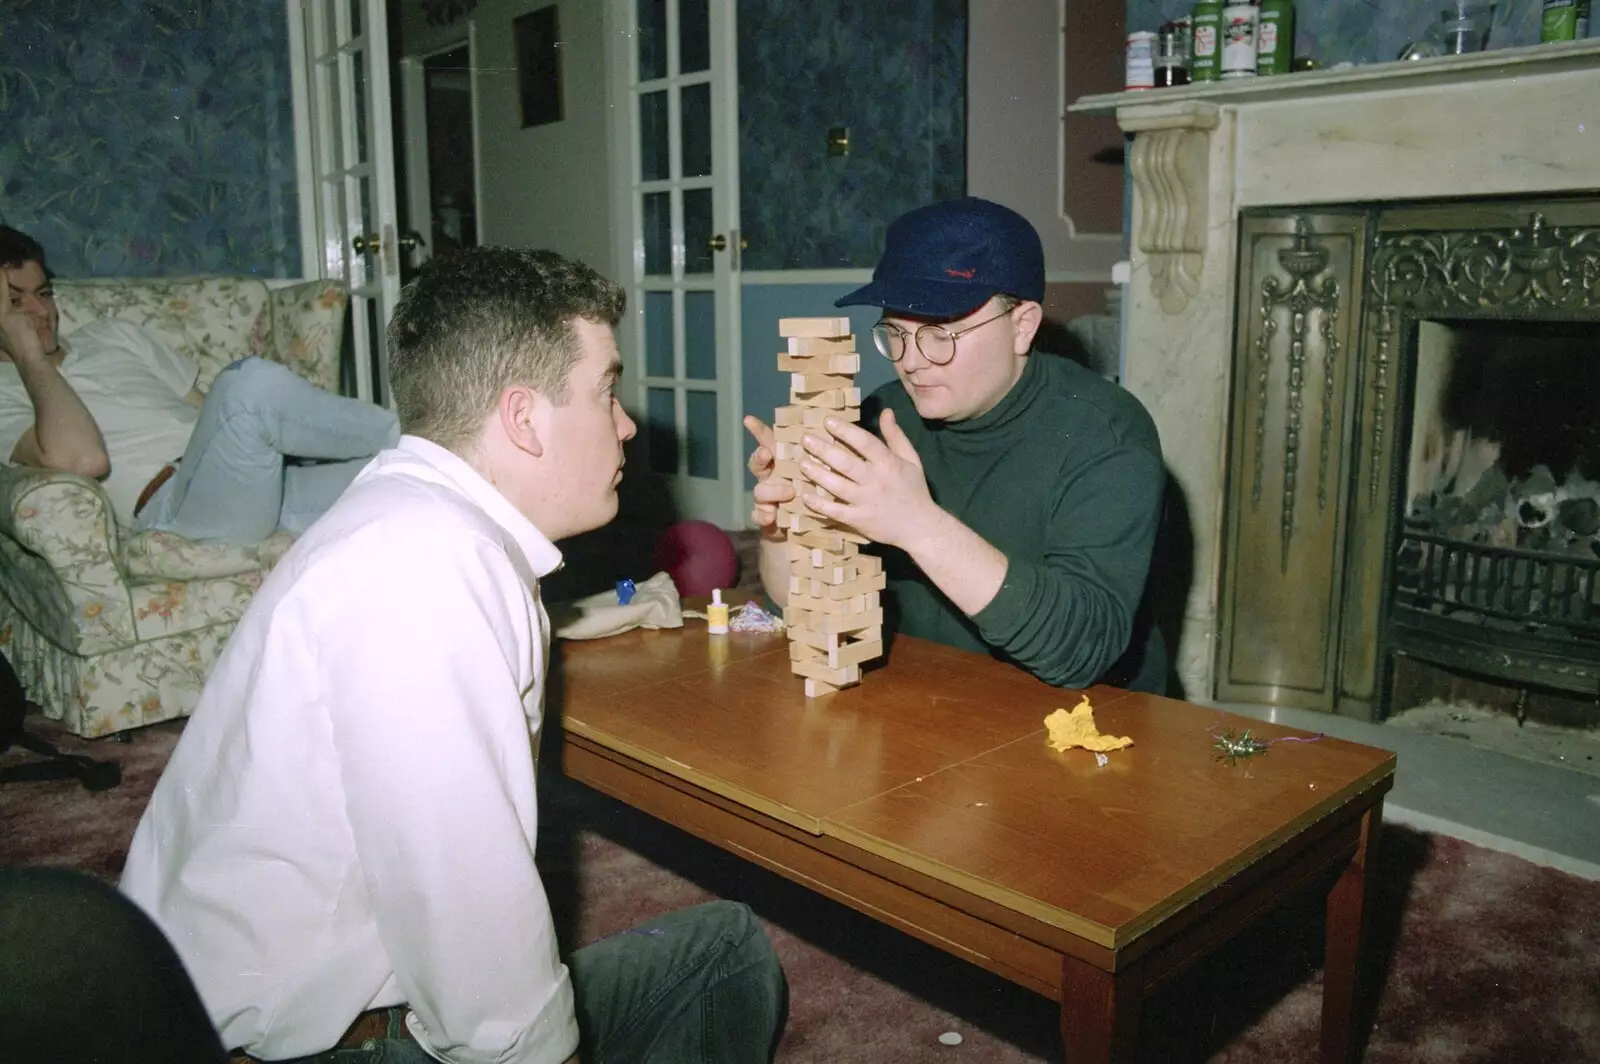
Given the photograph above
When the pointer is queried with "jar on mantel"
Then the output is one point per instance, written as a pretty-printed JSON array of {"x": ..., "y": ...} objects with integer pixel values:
[{"x": 1171, "y": 63}]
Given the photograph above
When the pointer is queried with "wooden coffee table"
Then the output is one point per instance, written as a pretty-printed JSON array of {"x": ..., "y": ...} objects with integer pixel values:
[{"x": 928, "y": 799}]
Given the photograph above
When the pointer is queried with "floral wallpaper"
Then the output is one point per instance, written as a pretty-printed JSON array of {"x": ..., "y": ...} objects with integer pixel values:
[
  {"x": 148, "y": 138},
  {"x": 1361, "y": 31},
  {"x": 894, "y": 75}
]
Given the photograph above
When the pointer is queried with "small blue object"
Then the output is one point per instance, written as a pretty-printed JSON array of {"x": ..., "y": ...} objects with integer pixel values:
[{"x": 625, "y": 590}]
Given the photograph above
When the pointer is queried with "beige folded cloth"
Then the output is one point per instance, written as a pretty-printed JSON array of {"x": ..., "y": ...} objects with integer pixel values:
[{"x": 654, "y": 605}]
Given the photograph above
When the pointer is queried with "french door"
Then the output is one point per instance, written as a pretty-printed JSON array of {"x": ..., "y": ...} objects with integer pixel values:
[
  {"x": 676, "y": 195},
  {"x": 339, "y": 52}
]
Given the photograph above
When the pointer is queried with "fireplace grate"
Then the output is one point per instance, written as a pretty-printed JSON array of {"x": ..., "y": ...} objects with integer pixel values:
[
  {"x": 1526, "y": 587},
  {"x": 1522, "y": 616}
]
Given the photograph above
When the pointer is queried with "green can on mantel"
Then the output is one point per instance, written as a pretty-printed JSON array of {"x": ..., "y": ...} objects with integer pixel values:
[
  {"x": 1275, "y": 37},
  {"x": 1564, "y": 20},
  {"x": 1205, "y": 51}
]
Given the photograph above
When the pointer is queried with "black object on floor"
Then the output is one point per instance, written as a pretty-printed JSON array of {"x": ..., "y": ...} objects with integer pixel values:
[{"x": 94, "y": 775}]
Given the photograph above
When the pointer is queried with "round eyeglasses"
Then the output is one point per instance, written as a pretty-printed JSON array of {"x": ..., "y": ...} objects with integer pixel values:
[{"x": 937, "y": 343}]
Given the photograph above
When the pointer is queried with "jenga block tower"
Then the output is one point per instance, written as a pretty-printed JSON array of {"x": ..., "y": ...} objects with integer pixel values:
[{"x": 834, "y": 616}]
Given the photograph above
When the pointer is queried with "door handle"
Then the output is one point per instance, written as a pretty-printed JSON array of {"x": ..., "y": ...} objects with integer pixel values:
[
  {"x": 368, "y": 244},
  {"x": 410, "y": 240},
  {"x": 720, "y": 243}
]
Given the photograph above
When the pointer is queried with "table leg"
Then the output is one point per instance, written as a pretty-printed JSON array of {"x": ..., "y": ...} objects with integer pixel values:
[
  {"x": 1343, "y": 1007},
  {"x": 1099, "y": 1013}
]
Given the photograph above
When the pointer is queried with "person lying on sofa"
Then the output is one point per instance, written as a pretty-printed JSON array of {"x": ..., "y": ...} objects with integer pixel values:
[
  {"x": 263, "y": 449},
  {"x": 349, "y": 820}
]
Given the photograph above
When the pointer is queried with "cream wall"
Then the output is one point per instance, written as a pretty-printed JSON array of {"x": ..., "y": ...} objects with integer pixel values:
[
  {"x": 1015, "y": 55},
  {"x": 546, "y": 186}
]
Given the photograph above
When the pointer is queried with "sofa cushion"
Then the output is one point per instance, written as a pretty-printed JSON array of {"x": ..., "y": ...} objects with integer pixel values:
[{"x": 213, "y": 320}]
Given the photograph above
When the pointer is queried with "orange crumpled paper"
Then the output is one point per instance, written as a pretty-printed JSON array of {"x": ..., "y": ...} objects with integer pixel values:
[{"x": 1076, "y": 728}]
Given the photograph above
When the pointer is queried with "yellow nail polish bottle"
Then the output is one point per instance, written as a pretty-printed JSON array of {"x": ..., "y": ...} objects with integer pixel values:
[{"x": 717, "y": 614}]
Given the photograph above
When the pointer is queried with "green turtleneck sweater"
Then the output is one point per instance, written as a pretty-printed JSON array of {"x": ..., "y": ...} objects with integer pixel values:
[{"x": 1064, "y": 477}]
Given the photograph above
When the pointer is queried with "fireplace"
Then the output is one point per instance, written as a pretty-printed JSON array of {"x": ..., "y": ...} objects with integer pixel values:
[
  {"x": 1496, "y": 569},
  {"x": 1309, "y": 252}
]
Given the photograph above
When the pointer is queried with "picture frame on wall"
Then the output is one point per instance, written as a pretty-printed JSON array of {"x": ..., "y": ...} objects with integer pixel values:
[{"x": 537, "y": 36}]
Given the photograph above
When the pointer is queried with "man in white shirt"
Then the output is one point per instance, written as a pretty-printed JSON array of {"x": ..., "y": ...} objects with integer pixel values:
[
  {"x": 262, "y": 449},
  {"x": 349, "y": 820}
]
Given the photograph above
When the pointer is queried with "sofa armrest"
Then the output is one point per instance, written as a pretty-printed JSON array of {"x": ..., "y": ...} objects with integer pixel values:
[
  {"x": 308, "y": 329},
  {"x": 59, "y": 539}
]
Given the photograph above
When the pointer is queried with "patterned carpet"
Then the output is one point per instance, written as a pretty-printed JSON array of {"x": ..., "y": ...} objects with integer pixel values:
[{"x": 1487, "y": 958}]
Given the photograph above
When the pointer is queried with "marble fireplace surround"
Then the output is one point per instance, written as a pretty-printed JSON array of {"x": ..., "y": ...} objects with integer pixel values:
[{"x": 1509, "y": 122}]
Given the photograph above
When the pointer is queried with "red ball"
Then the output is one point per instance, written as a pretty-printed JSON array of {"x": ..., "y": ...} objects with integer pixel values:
[{"x": 698, "y": 556}]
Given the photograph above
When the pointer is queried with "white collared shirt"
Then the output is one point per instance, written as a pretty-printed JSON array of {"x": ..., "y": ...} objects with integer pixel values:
[{"x": 349, "y": 819}]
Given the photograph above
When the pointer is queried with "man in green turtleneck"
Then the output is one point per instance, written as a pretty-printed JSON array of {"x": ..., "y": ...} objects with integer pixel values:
[{"x": 1015, "y": 494}]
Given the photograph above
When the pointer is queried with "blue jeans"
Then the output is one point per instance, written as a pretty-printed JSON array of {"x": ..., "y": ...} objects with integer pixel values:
[
  {"x": 696, "y": 986},
  {"x": 271, "y": 450}
]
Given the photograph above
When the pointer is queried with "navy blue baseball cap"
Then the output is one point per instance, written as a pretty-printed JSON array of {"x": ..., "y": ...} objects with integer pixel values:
[{"x": 947, "y": 259}]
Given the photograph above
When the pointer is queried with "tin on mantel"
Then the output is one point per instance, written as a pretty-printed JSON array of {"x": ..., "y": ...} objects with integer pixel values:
[
  {"x": 1141, "y": 60},
  {"x": 1275, "y": 37},
  {"x": 1240, "y": 22},
  {"x": 1206, "y": 40}
]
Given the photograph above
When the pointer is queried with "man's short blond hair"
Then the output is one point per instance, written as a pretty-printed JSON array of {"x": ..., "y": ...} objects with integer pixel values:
[{"x": 478, "y": 321}]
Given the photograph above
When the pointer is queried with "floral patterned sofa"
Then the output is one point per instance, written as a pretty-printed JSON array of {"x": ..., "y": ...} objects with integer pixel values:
[{"x": 110, "y": 630}]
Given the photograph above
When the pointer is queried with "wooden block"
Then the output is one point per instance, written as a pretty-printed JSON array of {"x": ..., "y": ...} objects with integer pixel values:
[
  {"x": 805, "y": 383},
  {"x": 804, "y": 605},
  {"x": 860, "y": 586},
  {"x": 801, "y": 521},
  {"x": 789, "y": 451},
  {"x": 833, "y": 399},
  {"x": 815, "y": 688},
  {"x": 799, "y": 651},
  {"x": 799, "y": 414},
  {"x": 789, "y": 468},
  {"x": 864, "y": 649},
  {"x": 844, "y": 343},
  {"x": 821, "y": 557},
  {"x": 850, "y": 364},
  {"x": 828, "y": 573},
  {"x": 807, "y": 642},
  {"x": 837, "y": 539},
  {"x": 812, "y": 327},
  {"x": 812, "y": 417},
  {"x": 838, "y": 623},
  {"x": 819, "y": 670}
]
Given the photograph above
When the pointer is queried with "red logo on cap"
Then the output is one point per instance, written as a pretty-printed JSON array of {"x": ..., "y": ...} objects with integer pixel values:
[{"x": 967, "y": 274}]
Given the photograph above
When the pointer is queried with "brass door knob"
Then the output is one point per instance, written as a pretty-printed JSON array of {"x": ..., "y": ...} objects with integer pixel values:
[
  {"x": 410, "y": 240},
  {"x": 718, "y": 243},
  {"x": 368, "y": 244}
]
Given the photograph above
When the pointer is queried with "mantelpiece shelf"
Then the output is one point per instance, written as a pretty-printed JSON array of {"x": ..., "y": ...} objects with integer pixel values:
[{"x": 1499, "y": 63}]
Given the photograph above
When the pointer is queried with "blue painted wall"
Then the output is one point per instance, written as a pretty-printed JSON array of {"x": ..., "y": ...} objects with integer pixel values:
[
  {"x": 894, "y": 75},
  {"x": 146, "y": 140},
  {"x": 766, "y": 389}
]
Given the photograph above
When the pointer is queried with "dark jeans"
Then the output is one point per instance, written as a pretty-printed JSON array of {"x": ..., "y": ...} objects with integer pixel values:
[
  {"x": 698, "y": 985},
  {"x": 87, "y": 978}
]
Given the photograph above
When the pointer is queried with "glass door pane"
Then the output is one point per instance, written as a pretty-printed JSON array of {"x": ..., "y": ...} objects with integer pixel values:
[{"x": 682, "y": 253}]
